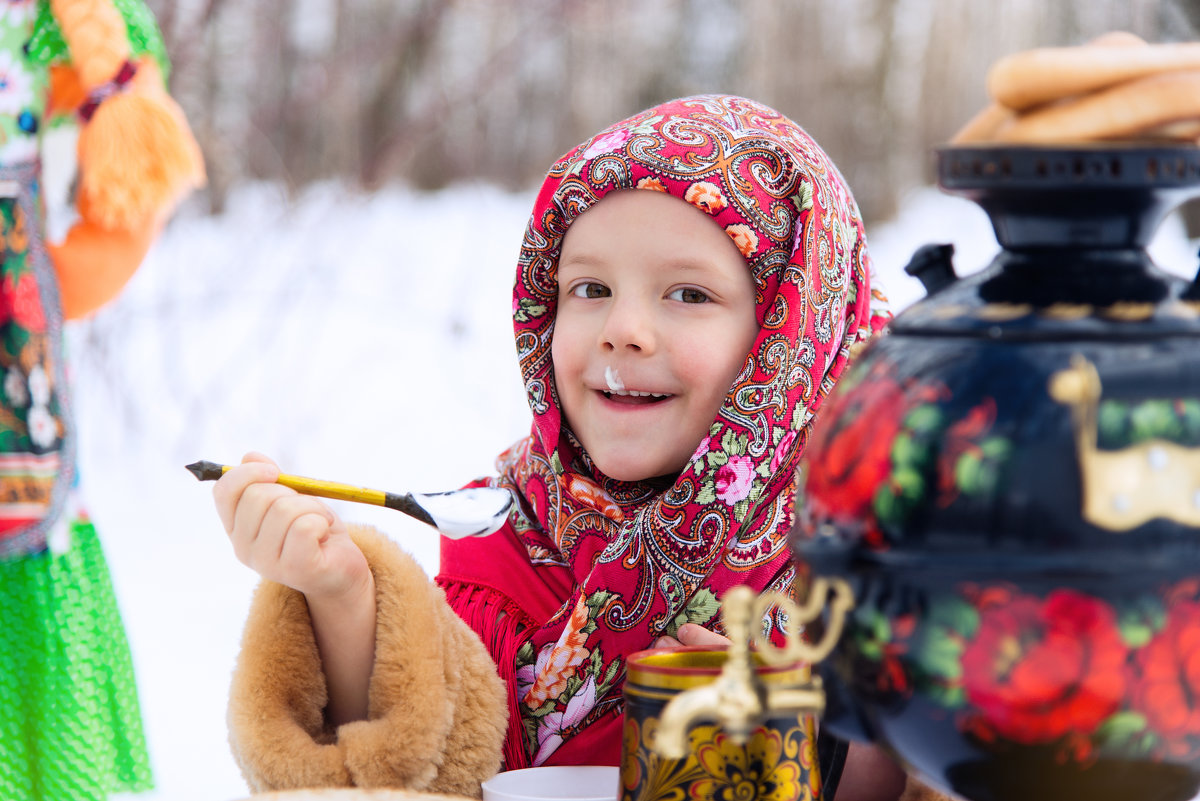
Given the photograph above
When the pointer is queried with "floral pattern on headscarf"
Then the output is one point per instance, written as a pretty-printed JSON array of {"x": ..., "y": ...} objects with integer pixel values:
[{"x": 644, "y": 558}]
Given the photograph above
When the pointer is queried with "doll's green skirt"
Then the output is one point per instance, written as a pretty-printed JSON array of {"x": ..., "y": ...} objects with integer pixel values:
[{"x": 70, "y": 725}]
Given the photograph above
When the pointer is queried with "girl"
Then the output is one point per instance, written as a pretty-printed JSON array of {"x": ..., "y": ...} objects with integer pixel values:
[{"x": 691, "y": 284}]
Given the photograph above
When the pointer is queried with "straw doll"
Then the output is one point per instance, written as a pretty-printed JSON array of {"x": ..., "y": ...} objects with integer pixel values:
[{"x": 70, "y": 725}]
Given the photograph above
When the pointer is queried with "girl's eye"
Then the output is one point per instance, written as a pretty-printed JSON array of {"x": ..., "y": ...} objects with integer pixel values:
[
  {"x": 590, "y": 289},
  {"x": 688, "y": 294}
]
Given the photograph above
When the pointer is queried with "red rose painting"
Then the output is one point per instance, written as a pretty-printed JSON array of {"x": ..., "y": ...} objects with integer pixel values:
[
  {"x": 1038, "y": 670},
  {"x": 856, "y": 450},
  {"x": 1167, "y": 676}
]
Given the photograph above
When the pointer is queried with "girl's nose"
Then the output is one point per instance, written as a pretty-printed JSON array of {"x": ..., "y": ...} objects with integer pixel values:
[{"x": 628, "y": 326}]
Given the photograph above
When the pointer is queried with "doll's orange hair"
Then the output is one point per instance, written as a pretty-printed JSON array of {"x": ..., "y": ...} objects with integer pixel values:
[{"x": 136, "y": 154}]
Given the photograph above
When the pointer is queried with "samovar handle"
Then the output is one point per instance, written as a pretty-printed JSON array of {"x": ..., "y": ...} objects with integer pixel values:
[{"x": 933, "y": 266}]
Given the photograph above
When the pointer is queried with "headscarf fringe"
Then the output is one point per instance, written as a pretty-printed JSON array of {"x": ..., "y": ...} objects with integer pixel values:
[{"x": 501, "y": 625}]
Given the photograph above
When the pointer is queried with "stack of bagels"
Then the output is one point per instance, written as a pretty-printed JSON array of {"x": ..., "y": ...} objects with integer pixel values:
[{"x": 1116, "y": 87}]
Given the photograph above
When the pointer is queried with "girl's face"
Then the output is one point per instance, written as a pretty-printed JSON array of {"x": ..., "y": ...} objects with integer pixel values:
[{"x": 656, "y": 315}]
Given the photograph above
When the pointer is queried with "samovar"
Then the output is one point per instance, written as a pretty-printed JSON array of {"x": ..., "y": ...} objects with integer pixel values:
[{"x": 1006, "y": 492}]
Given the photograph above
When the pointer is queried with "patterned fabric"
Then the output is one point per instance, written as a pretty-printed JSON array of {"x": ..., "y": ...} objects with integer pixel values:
[
  {"x": 71, "y": 728},
  {"x": 644, "y": 558},
  {"x": 36, "y": 440}
]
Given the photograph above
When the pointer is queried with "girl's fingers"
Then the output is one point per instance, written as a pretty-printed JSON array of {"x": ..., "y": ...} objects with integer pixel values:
[
  {"x": 302, "y": 562},
  {"x": 230, "y": 488},
  {"x": 255, "y": 456},
  {"x": 249, "y": 537},
  {"x": 274, "y": 530},
  {"x": 297, "y": 523},
  {"x": 691, "y": 634}
]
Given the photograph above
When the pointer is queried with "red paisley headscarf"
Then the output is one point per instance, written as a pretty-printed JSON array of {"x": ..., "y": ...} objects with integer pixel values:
[{"x": 636, "y": 560}]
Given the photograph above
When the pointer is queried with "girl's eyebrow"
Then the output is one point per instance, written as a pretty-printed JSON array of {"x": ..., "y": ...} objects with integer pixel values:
[
  {"x": 700, "y": 265},
  {"x": 694, "y": 263},
  {"x": 580, "y": 257},
  {"x": 581, "y": 260},
  {"x": 689, "y": 264}
]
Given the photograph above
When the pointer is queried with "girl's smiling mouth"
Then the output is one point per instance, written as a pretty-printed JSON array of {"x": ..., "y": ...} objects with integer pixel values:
[{"x": 630, "y": 397}]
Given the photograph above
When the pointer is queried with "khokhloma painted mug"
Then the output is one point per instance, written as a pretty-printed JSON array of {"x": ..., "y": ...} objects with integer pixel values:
[{"x": 777, "y": 762}]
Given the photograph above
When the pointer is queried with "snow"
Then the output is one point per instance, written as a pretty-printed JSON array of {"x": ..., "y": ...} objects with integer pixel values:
[{"x": 362, "y": 339}]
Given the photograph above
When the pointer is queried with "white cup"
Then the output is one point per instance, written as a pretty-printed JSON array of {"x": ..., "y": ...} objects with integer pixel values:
[{"x": 566, "y": 783}]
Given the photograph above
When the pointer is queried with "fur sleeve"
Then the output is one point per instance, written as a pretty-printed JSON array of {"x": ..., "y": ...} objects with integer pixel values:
[
  {"x": 436, "y": 710},
  {"x": 915, "y": 790}
]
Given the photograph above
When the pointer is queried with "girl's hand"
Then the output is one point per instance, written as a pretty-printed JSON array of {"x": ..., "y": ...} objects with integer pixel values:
[
  {"x": 298, "y": 541},
  {"x": 691, "y": 634},
  {"x": 286, "y": 537}
]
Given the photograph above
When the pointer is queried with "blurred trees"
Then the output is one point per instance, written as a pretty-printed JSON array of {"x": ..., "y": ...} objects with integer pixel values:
[{"x": 436, "y": 91}]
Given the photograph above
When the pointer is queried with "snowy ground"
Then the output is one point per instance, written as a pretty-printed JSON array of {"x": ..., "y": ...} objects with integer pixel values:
[{"x": 360, "y": 339}]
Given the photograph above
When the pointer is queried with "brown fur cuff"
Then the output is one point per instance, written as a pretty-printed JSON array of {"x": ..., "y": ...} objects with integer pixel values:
[
  {"x": 437, "y": 707},
  {"x": 916, "y": 790}
]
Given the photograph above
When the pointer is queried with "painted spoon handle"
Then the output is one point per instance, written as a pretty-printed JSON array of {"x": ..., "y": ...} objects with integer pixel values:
[{"x": 472, "y": 512}]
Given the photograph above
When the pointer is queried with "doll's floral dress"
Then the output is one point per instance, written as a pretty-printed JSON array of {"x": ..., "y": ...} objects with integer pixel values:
[{"x": 70, "y": 723}]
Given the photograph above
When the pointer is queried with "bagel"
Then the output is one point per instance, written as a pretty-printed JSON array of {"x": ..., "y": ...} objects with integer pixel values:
[{"x": 1034, "y": 77}]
